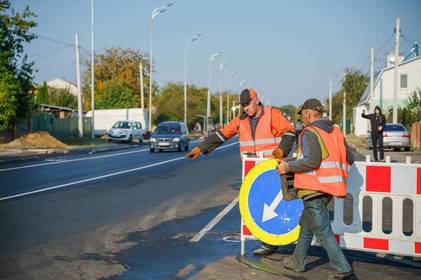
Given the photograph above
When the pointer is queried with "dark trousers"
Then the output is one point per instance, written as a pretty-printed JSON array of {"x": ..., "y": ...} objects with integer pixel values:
[
  {"x": 315, "y": 221},
  {"x": 377, "y": 141}
]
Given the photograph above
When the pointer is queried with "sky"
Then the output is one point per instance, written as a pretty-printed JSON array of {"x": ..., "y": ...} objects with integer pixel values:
[{"x": 287, "y": 50}]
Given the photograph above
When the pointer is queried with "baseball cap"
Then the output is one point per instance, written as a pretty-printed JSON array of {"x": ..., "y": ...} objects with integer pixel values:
[
  {"x": 247, "y": 95},
  {"x": 313, "y": 104}
]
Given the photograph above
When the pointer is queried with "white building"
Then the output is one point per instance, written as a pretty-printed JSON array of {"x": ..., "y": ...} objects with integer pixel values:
[
  {"x": 409, "y": 72},
  {"x": 63, "y": 85}
]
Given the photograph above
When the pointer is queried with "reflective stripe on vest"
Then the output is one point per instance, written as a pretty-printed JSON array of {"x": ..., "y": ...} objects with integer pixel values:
[{"x": 272, "y": 140}]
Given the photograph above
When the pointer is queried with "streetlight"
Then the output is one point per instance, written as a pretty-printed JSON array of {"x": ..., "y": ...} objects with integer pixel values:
[
  {"x": 191, "y": 39},
  {"x": 211, "y": 58},
  {"x": 155, "y": 12},
  {"x": 228, "y": 98},
  {"x": 92, "y": 72},
  {"x": 221, "y": 67}
]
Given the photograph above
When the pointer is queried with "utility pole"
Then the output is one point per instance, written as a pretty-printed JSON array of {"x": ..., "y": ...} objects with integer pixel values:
[
  {"x": 92, "y": 71},
  {"x": 228, "y": 107},
  {"x": 330, "y": 100},
  {"x": 344, "y": 107},
  {"x": 372, "y": 75},
  {"x": 79, "y": 92},
  {"x": 396, "y": 74},
  {"x": 142, "y": 97}
]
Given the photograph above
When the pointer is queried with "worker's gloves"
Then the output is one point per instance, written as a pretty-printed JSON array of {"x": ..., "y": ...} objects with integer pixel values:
[
  {"x": 193, "y": 153},
  {"x": 278, "y": 153}
]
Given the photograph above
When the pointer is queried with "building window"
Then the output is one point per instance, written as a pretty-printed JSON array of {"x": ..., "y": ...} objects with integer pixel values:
[{"x": 404, "y": 81}]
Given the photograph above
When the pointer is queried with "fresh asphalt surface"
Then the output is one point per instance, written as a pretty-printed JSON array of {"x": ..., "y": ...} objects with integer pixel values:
[{"x": 120, "y": 215}]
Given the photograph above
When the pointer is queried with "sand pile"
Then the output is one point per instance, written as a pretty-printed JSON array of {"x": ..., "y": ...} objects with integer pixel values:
[{"x": 36, "y": 140}]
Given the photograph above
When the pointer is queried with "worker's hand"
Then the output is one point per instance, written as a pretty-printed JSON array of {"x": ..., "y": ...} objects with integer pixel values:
[
  {"x": 380, "y": 128},
  {"x": 282, "y": 167},
  {"x": 194, "y": 153},
  {"x": 278, "y": 153}
]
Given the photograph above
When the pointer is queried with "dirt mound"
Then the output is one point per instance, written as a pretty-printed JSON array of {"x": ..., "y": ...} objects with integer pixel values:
[{"x": 36, "y": 140}]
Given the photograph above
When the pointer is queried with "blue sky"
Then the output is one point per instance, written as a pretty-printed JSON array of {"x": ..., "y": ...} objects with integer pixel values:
[{"x": 287, "y": 50}]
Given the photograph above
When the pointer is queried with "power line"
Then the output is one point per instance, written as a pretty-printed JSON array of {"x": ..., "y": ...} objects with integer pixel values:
[{"x": 59, "y": 42}]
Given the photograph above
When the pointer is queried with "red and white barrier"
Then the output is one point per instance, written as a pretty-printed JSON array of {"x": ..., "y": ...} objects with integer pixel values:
[{"x": 397, "y": 182}]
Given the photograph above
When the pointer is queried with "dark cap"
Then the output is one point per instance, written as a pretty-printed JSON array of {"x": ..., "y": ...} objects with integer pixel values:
[
  {"x": 313, "y": 104},
  {"x": 247, "y": 95}
]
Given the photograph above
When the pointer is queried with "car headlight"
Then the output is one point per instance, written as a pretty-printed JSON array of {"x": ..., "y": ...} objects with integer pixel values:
[
  {"x": 176, "y": 139},
  {"x": 153, "y": 140}
]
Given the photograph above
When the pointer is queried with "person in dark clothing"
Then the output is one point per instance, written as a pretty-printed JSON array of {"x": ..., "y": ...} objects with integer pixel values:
[{"x": 377, "y": 122}]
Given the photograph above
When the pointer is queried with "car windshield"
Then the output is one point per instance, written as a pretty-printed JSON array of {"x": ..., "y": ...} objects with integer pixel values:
[
  {"x": 394, "y": 127},
  {"x": 121, "y": 125},
  {"x": 168, "y": 129}
]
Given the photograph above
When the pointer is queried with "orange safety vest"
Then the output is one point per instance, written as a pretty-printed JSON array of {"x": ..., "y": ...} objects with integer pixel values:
[
  {"x": 330, "y": 177},
  {"x": 264, "y": 141}
]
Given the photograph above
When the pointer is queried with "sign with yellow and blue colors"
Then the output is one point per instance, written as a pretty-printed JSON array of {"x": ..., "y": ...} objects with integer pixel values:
[{"x": 269, "y": 218}]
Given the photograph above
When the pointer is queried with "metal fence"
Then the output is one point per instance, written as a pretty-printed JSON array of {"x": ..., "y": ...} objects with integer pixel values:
[{"x": 61, "y": 128}]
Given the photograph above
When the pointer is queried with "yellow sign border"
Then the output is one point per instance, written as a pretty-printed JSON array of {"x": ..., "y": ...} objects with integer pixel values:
[{"x": 259, "y": 233}]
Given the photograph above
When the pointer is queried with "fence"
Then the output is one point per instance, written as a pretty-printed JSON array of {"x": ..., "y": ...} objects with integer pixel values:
[
  {"x": 380, "y": 212},
  {"x": 61, "y": 128},
  {"x": 416, "y": 135}
]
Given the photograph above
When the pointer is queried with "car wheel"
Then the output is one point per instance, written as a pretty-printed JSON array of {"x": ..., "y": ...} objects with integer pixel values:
[
  {"x": 397, "y": 149},
  {"x": 407, "y": 149},
  {"x": 160, "y": 150},
  {"x": 186, "y": 148},
  {"x": 130, "y": 141},
  {"x": 151, "y": 150},
  {"x": 140, "y": 140},
  {"x": 179, "y": 147}
]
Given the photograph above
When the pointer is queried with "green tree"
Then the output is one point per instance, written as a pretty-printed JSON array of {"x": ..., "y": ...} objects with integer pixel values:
[
  {"x": 63, "y": 98},
  {"x": 354, "y": 84},
  {"x": 15, "y": 70},
  {"x": 411, "y": 110},
  {"x": 42, "y": 94},
  {"x": 289, "y": 110},
  {"x": 115, "y": 95},
  {"x": 118, "y": 67}
]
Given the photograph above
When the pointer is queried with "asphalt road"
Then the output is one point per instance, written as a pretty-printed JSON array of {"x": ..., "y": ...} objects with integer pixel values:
[{"x": 70, "y": 217}]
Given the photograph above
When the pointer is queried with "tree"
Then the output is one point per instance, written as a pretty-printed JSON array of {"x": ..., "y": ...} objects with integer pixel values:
[
  {"x": 411, "y": 111},
  {"x": 289, "y": 110},
  {"x": 15, "y": 70},
  {"x": 115, "y": 95},
  {"x": 117, "y": 68},
  {"x": 354, "y": 84},
  {"x": 63, "y": 98},
  {"x": 42, "y": 94}
]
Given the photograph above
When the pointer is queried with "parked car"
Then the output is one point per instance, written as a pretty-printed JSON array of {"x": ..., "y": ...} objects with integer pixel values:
[
  {"x": 170, "y": 135},
  {"x": 126, "y": 131},
  {"x": 395, "y": 136}
]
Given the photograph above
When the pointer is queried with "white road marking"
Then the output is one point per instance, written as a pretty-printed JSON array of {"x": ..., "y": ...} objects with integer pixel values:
[
  {"x": 77, "y": 159},
  {"x": 102, "y": 176},
  {"x": 214, "y": 221},
  {"x": 71, "y": 160}
]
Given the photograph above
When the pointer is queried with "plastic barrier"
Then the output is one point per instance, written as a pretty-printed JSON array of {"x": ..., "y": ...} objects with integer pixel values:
[{"x": 375, "y": 216}]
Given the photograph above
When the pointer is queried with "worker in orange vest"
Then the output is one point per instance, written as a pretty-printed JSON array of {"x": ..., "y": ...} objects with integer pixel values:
[
  {"x": 260, "y": 129},
  {"x": 320, "y": 172}
]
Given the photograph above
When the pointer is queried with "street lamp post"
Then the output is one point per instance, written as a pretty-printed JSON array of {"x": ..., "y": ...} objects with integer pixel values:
[
  {"x": 211, "y": 58},
  {"x": 221, "y": 67},
  {"x": 92, "y": 72},
  {"x": 228, "y": 99},
  {"x": 155, "y": 12},
  {"x": 191, "y": 39}
]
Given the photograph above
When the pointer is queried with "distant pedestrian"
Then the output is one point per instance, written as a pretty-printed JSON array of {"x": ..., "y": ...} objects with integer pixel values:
[
  {"x": 197, "y": 128},
  {"x": 377, "y": 122}
]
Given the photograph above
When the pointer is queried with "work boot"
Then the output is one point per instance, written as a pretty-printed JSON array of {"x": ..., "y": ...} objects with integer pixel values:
[
  {"x": 342, "y": 276},
  {"x": 289, "y": 263},
  {"x": 265, "y": 250}
]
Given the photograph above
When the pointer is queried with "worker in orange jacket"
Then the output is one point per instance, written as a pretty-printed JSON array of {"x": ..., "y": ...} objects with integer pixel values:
[{"x": 262, "y": 130}]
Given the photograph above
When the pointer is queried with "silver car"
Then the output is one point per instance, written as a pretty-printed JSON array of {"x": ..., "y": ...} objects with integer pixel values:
[
  {"x": 395, "y": 136},
  {"x": 126, "y": 131}
]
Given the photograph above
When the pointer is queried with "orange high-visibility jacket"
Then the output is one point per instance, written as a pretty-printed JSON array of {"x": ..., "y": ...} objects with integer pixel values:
[
  {"x": 330, "y": 177},
  {"x": 269, "y": 130}
]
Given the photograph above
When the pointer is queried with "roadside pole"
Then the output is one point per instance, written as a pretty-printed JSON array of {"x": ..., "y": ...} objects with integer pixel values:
[
  {"x": 344, "y": 108},
  {"x": 372, "y": 75},
  {"x": 92, "y": 71},
  {"x": 330, "y": 100},
  {"x": 395, "y": 72},
  {"x": 142, "y": 97},
  {"x": 79, "y": 93}
]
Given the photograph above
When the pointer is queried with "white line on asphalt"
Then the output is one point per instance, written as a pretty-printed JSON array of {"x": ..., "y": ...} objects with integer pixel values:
[
  {"x": 103, "y": 176},
  {"x": 214, "y": 221},
  {"x": 72, "y": 160},
  {"x": 77, "y": 159}
]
